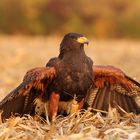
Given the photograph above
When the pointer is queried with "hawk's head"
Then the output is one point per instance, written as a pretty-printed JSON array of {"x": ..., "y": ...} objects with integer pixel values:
[{"x": 73, "y": 41}]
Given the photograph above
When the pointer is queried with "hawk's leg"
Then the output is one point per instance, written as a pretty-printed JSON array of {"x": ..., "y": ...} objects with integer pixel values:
[
  {"x": 53, "y": 105},
  {"x": 75, "y": 106}
]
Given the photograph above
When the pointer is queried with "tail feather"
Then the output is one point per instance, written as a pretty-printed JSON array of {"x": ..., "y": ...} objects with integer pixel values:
[
  {"x": 115, "y": 88},
  {"x": 13, "y": 107},
  {"x": 21, "y": 104},
  {"x": 106, "y": 97},
  {"x": 22, "y": 99},
  {"x": 125, "y": 104},
  {"x": 101, "y": 99}
]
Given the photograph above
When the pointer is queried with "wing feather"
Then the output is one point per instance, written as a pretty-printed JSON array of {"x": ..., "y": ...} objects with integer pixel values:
[
  {"x": 21, "y": 100},
  {"x": 115, "y": 88}
]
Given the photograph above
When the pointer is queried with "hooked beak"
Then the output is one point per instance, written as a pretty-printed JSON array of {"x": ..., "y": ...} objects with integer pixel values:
[{"x": 83, "y": 40}]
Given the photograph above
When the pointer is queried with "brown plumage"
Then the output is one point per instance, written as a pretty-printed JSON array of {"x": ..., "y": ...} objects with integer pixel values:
[
  {"x": 59, "y": 81},
  {"x": 70, "y": 76},
  {"x": 22, "y": 99},
  {"x": 113, "y": 87}
]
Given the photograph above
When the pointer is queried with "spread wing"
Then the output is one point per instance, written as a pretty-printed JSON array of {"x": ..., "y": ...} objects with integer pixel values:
[
  {"x": 112, "y": 87},
  {"x": 22, "y": 100}
]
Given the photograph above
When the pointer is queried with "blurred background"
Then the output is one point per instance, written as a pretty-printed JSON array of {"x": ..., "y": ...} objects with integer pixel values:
[
  {"x": 101, "y": 18},
  {"x": 31, "y": 31}
]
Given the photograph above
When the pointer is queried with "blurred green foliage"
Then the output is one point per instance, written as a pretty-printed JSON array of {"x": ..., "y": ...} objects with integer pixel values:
[{"x": 101, "y": 18}]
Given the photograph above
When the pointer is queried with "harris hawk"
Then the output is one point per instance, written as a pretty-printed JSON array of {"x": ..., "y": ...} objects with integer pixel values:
[{"x": 71, "y": 74}]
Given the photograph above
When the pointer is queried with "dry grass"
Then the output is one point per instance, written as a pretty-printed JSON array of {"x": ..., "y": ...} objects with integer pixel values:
[
  {"x": 18, "y": 54},
  {"x": 87, "y": 126}
]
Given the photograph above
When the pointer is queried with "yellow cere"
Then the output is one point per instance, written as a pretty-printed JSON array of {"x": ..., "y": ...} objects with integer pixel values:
[{"x": 82, "y": 39}]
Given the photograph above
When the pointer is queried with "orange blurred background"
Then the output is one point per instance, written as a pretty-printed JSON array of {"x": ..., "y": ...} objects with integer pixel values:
[{"x": 99, "y": 18}]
